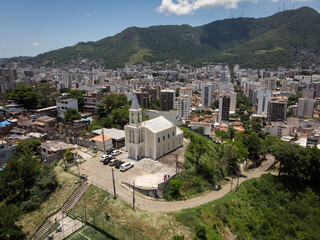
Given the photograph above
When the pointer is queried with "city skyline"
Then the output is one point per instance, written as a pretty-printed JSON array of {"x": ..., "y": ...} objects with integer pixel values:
[{"x": 34, "y": 27}]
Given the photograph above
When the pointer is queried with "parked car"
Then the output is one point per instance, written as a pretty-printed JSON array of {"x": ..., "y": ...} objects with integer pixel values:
[
  {"x": 116, "y": 152},
  {"x": 216, "y": 187},
  {"x": 107, "y": 160},
  {"x": 125, "y": 166},
  {"x": 118, "y": 164},
  {"x": 104, "y": 156},
  {"x": 113, "y": 162},
  {"x": 109, "y": 151}
]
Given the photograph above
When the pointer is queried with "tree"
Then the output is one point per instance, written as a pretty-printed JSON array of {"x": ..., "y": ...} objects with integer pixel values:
[
  {"x": 114, "y": 101},
  {"x": 253, "y": 143},
  {"x": 9, "y": 215},
  {"x": 31, "y": 147},
  {"x": 78, "y": 94},
  {"x": 71, "y": 115},
  {"x": 155, "y": 104},
  {"x": 25, "y": 95},
  {"x": 101, "y": 110},
  {"x": 47, "y": 93},
  {"x": 69, "y": 156},
  {"x": 120, "y": 117}
]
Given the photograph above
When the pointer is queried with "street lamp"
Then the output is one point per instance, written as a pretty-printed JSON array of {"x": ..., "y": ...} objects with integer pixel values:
[{"x": 238, "y": 175}]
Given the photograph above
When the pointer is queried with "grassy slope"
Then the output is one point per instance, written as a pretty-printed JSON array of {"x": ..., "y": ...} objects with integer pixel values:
[
  {"x": 98, "y": 204},
  {"x": 232, "y": 40},
  {"x": 265, "y": 208},
  {"x": 32, "y": 220}
]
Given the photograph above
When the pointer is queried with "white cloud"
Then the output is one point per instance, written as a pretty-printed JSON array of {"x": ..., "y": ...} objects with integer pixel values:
[
  {"x": 36, "y": 44},
  {"x": 301, "y": 1},
  {"x": 89, "y": 14},
  {"x": 275, "y": 1},
  {"x": 184, "y": 7}
]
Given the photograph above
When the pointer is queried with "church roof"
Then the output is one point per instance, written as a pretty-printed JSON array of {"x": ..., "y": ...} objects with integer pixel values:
[
  {"x": 135, "y": 103},
  {"x": 158, "y": 124}
]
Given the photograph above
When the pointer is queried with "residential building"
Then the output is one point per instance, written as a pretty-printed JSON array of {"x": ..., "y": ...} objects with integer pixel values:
[
  {"x": 308, "y": 93},
  {"x": 101, "y": 144},
  {"x": 64, "y": 103},
  {"x": 277, "y": 110},
  {"x": 91, "y": 100},
  {"x": 167, "y": 97},
  {"x": 186, "y": 91},
  {"x": 207, "y": 95},
  {"x": 224, "y": 107},
  {"x": 305, "y": 107},
  {"x": 44, "y": 124},
  {"x": 144, "y": 99},
  {"x": 183, "y": 106},
  {"x": 263, "y": 97},
  {"x": 153, "y": 138}
]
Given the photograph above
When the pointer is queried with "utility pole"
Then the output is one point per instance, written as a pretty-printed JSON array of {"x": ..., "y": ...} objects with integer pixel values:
[
  {"x": 78, "y": 167},
  {"x": 114, "y": 185},
  {"x": 104, "y": 143},
  {"x": 231, "y": 184},
  {"x": 176, "y": 163},
  {"x": 238, "y": 176},
  {"x": 133, "y": 199},
  {"x": 65, "y": 164}
]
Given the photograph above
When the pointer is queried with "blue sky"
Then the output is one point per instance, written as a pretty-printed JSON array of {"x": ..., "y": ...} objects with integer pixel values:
[{"x": 30, "y": 27}]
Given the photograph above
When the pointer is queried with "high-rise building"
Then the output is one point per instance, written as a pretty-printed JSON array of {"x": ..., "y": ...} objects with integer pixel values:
[
  {"x": 207, "y": 95},
  {"x": 144, "y": 99},
  {"x": 224, "y": 107},
  {"x": 263, "y": 97},
  {"x": 277, "y": 110},
  {"x": 167, "y": 97},
  {"x": 305, "y": 107},
  {"x": 183, "y": 106},
  {"x": 308, "y": 93}
]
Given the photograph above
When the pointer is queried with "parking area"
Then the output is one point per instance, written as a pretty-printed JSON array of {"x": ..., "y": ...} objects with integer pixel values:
[{"x": 146, "y": 172}]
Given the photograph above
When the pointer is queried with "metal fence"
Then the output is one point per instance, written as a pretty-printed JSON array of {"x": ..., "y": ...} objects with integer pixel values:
[{"x": 101, "y": 222}]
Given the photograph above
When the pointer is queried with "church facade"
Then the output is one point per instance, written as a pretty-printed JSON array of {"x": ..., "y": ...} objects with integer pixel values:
[{"x": 153, "y": 138}]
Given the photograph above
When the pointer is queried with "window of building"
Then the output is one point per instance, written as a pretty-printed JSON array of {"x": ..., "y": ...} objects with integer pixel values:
[
  {"x": 164, "y": 137},
  {"x": 173, "y": 134},
  {"x": 168, "y": 135},
  {"x": 158, "y": 140}
]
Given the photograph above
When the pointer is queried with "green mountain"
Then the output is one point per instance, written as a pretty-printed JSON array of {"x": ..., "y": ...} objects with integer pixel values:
[{"x": 283, "y": 39}]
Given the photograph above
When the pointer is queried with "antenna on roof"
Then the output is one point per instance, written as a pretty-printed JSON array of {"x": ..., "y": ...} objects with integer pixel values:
[
  {"x": 242, "y": 12},
  {"x": 279, "y": 8},
  {"x": 293, "y": 6},
  {"x": 284, "y": 5}
]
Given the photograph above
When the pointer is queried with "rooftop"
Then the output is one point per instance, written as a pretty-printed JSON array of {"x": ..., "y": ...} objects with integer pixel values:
[
  {"x": 158, "y": 124},
  {"x": 111, "y": 132},
  {"x": 100, "y": 137}
]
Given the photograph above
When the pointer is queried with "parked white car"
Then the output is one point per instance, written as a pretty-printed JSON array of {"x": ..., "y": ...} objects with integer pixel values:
[
  {"x": 103, "y": 157},
  {"x": 116, "y": 152},
  {"x": 124, "y": 167}
]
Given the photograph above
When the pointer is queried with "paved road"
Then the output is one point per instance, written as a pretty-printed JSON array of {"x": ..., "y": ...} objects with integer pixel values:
[{"x": 101, "y": 176}]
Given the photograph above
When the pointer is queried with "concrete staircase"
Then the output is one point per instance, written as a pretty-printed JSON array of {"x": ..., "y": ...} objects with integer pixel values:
[
  {"x": 42, "y": 230},
  {"x": 68, "y": 205},
  {"x": 74, "y": 198}
]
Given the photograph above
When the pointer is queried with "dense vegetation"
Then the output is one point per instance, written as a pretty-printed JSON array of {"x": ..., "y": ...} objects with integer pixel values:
[
  {"x": 114, "y": 112},
  {"x": 266, "y": 208},
  {"x": 24, "y": 184},
  {"x": 206, "y": 163},
  {"x": 265, "y": 42}
]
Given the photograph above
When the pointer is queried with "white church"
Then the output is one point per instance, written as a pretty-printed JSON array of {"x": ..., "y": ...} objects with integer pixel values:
[{"x": 153, "y": 138}]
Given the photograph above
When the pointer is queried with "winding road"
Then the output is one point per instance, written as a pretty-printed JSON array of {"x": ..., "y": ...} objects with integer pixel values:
[{"x": 103, "y": 179}]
